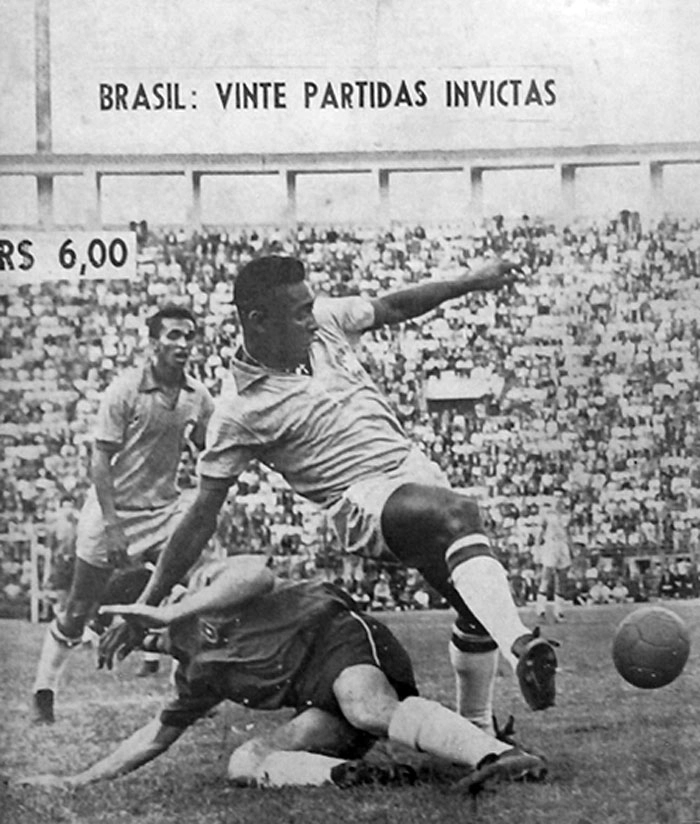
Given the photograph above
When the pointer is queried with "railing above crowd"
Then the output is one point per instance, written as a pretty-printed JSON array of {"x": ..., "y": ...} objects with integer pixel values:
[{"x": 584, "y": 377}]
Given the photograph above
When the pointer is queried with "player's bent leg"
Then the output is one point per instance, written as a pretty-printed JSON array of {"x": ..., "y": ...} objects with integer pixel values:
[
  {"x": 87, "y": 588},
  {"x": 422, "y": 522},
  {"x": 319, "y": 731},
  {"x": 305, "y": 751},
  {"x": 366, "y": 698},
  {"x": 64, "y": 633},
  {"x": 369, "y": 702},
  {"x": 429, "y": 727}
]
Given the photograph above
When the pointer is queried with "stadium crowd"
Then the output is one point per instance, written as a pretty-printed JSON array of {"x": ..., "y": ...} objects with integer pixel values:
[{"x": 584, "y": 378}]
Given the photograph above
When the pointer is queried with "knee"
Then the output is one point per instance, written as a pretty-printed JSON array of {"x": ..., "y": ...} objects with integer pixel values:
[
  {"x": 461, "y": 516},
  {"x": 367, "y": 716},
  {"x": 72, "y": 620},
  {"x": 366, "y": 698},
  {"x": 417, "y": 515},
  {"x": 369, "y": 709}
]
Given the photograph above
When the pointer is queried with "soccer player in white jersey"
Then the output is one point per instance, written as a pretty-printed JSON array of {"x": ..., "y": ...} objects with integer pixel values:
[
  {"x": 554, "y": 556},
  {"x": 306, "y": 408},
  {"x": 145, "y": 417}
]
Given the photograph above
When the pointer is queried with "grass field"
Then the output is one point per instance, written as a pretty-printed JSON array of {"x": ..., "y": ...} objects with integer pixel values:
[{"x": 617, "y": 754}]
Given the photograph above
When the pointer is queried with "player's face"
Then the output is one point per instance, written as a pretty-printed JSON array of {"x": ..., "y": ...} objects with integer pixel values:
[
  {"x": 174, "y": 343},
  {"x": 293, "y": 326}
]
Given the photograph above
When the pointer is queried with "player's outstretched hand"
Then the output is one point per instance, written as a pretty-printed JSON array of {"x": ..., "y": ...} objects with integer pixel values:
[
  {"x": 47, "y": 781},
  {"x": 118, "y": 641},
  {"x": 146, "y": 615},
  {"x": 495, "y": 274}
]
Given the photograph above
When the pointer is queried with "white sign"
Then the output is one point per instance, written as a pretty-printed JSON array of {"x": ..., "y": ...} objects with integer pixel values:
[
  {"x": 289, "y": 108},
  {"x": 33, "y": 256}
]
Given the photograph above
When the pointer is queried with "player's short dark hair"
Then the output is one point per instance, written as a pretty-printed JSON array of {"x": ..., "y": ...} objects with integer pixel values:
[
  {"x": 256, "y": 282},
  {"x": 171, "y": 310}
]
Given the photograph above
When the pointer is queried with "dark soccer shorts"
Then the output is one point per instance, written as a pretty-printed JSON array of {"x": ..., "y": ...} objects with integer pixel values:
[
  {"x": 303, "y": 680},
  {"x": 350, "y": 639}
]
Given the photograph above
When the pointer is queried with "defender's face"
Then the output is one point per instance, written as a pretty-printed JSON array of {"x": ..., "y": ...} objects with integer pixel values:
[
  {"x": 174, "y": 343},
  {"x": 292, "y": 326}
]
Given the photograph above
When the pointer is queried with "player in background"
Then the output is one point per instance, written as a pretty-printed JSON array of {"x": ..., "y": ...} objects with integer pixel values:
[
  {"x": 241, "y": 634},
  {"x": 554, "y": 555},
  {"x": 306, "y": 408},
  {"x": 145, "y": 418}
]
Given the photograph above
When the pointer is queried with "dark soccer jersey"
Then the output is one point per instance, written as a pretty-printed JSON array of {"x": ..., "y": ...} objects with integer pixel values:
[{"x": 253, "y": 654}]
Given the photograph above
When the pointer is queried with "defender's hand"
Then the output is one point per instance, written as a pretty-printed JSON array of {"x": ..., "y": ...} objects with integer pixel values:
[
  {"x": 48, "y": 781},
  {"x": 117, "y": 642}
]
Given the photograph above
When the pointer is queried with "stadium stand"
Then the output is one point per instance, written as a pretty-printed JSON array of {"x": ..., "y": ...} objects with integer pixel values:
[{"x": 585, "y": 378}]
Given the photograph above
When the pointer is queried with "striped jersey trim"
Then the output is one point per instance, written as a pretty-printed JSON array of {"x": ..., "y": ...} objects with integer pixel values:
[{"x": 370, "y": 638}]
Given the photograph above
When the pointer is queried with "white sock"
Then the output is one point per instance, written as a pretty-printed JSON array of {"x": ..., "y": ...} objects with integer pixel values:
[
  {"x": 558, "y": 606},
  {"x": 427, "y": 726},
  {"x": 482, "y": 583},
  {"x": 244, "y": 761},
  {"x": 295, "y": 769},
  {"x": 541, "y": 606},
  {"x": 475, "y": 677},
  {"x": 52, "y": 660}
]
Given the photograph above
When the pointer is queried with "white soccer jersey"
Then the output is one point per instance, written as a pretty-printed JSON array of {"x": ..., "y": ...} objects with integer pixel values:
[
  {"x": 136, "y": 415},
  {"x": 554, "y": 551},
  {"x": 322, "y": 432}
]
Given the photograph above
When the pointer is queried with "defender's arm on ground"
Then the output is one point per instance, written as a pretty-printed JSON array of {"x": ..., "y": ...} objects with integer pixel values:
[
  {"x": 143, "y": 746},
  {"x": 396, "y": 307},
  {"x": 244, "y": 577}
]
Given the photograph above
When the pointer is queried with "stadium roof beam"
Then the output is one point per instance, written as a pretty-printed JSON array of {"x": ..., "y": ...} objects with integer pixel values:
[
  {"x": 563, "y": 160},
  {"x": 518, "y": 158}
]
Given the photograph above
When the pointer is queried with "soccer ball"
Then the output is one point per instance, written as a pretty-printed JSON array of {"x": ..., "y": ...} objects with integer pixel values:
[{"x": 650, "y": 647}]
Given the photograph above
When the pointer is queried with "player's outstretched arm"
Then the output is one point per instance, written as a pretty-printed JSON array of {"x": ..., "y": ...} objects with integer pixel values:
[
  {"x": 186, "y": 543},
  {"x": 143, "y": 746},
  {"x": 242, "y": 578},
  {"x": 396, "y": 307}
]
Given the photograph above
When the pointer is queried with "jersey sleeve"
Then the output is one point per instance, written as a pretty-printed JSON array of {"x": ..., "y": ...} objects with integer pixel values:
[
  {"x": 229, "y": 447},
  {"x": 192, "y": 702},
  {"x": 353, "y": 315}
]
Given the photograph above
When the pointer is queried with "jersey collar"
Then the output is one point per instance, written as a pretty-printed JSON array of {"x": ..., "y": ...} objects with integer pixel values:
[
  {"x": 150, "y": 383},
  {"x": 246, "y": 373}
]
